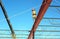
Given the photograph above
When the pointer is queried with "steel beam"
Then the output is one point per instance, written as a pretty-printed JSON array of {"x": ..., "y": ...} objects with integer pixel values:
[
  {"x": 49, "y": 26},
  {"x": 54, "y": 6},
  {"x": 36, "y": 30},
  {"x": 51, "y": 18},
  {"x": 7, "y": 19},
  {"x": 44, "y": 7}
]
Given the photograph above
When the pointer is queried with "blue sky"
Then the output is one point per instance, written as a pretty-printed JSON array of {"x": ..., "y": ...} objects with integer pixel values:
[{"x": 20, "y": 15}]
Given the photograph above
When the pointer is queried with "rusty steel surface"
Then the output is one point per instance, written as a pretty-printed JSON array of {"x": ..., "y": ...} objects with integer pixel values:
[{"x": 44, "y": 7}]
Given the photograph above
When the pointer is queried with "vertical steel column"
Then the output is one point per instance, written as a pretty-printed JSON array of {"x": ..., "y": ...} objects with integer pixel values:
[
  {"x": 7, "y": 19},
  {"x": 44, "y": 7}
]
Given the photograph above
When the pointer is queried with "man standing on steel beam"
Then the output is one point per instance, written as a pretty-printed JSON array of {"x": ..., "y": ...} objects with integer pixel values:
[
  {"x": 34, "y": 17},
  {"x": 44, "y": 7}
]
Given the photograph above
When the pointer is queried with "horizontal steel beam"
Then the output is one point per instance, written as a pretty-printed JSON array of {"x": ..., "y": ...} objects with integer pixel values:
[
  {"x": 10, "y": 37},
  {"x": 54, "y": 6},
  {"x": 14, "y": 30},
  {"x": 47, "y": 38},
  {"x": 27, "y": 35},
  {"x": 36, "y": 30},
  {"x": 49, "y": 25},
  {"x": 35, "y": 37},
  {"x": 51, "y": 18},
  {"x": 47, "y": 30}
]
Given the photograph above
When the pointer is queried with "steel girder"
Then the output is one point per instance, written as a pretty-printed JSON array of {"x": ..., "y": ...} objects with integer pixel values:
[
  {"x": 7, "y": 19},
  {"x": 43, "y": 9}
]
